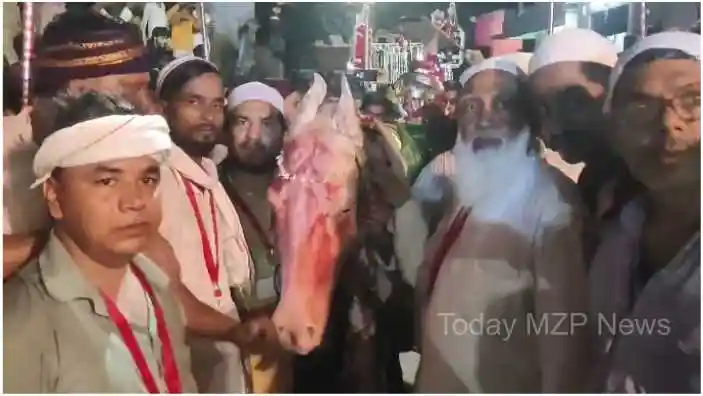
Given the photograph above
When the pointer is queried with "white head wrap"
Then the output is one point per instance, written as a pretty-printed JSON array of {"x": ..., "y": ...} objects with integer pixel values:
[
  {"x": 574, "y": 45},
  {"x": 511, "y": 63},
  {"x": 175, "y": 64},
  {"x": 103, "y": 139},
  {"x": 255, "y": 91},
  {"x": 687, "y": 42}
]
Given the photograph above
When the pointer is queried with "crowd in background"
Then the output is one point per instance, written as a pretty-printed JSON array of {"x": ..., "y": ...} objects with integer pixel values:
[{"x": 300, "y": 235}]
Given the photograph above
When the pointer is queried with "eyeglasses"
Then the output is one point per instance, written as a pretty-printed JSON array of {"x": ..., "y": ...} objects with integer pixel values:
[{"x": 644, "y": 109}]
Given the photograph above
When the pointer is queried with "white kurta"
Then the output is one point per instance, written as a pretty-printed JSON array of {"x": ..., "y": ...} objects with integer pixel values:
[
  {"x": 516, "y": 262},
  {"x": 216, "y": 365}
]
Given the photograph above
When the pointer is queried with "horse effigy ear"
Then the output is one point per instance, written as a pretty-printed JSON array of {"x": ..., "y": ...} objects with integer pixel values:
[
  {"x": 311, "y": 101},
  {"x": 346, "y": 116}
]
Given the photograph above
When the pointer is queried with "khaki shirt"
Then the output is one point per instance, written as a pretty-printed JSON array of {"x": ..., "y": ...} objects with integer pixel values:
[
  {"x": 59, "y": 338},
  {"x": 216, "y": 365},
  {"x": 516, "y": 263}
]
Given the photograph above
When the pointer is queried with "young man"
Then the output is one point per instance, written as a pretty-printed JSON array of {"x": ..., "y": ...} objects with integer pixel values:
[
  {"x": 200, "y": 222},
  {"x": 92, "y": 315},
  {"x": 69, "y": 59},
  {"x": 508, "y": 254}
]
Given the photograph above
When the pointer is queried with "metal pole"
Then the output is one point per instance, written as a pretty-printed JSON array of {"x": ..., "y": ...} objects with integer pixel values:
[
  {"x": 28, "y": 37},
  {"x": 643, "y": 19},
  {"x": 637, "y": 19},
  {"x": 367, "y": 36},
  {"x": 204, "y": 31},
  {"x": 550, "y": 30}
]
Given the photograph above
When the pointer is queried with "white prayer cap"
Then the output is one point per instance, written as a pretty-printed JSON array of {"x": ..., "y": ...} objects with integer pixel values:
[
  {"x": 175, "y": 64},
  {"x": 102, "y": 139},
  {"x": 687, "y": 42},
  {"x": 521, "y": 59},
  {"x": 255, "y": 91},
  {"x": 511, "y": 63},
  {"x": 574, "y": 45}
]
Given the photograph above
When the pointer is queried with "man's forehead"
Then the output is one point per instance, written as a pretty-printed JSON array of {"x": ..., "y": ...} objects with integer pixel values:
[
  {"x": 557, "y": 76},
  {"x": 491, "y": 81},
  {"x": 208, "y": 85},
  {"x": 254, "y": 109},
  {"x": 142, "y": 164},
  {"x": 666, "y": 75}
]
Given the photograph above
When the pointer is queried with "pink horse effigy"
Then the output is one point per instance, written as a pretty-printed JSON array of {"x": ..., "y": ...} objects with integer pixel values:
[{"x": 314, "y": 197}]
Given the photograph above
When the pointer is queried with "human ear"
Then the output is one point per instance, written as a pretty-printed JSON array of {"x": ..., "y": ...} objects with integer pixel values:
[{"x": 50, "y": 190}]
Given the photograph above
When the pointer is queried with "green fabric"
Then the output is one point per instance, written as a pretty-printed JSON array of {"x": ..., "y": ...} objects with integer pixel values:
[{"x": 415, "y": 148}]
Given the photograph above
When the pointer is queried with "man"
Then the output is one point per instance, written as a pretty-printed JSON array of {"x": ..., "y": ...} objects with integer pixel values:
[
  {"x": 569, "y": 75},
  {"x": 84, "y": 317},
  {"x": 69, "y": 60},
  {"x": 200, "y": 223},
  {"x": 202, "y": 319},
  {"x": 647, "y": 266},
  {"x": 255, "y": 128},
  {"x": 504, "y": 255},
  {"x": 62, "y": 65}
]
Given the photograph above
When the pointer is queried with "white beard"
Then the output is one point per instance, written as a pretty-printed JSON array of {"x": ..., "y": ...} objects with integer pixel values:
[{"x": 487, "y": 176}]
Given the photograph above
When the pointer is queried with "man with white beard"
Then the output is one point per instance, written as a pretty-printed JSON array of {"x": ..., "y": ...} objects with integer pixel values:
[{"x": 503, "y": 281}]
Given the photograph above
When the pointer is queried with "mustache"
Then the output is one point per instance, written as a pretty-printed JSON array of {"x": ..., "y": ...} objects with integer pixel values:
[{"x": 206, "y": 127}]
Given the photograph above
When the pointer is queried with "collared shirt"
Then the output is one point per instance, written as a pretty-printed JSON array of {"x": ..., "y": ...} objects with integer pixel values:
[
  {"x": 59, "y": 337},
  {"x": 180, "y": 228},
  {"x": 216, "y": 365},
  {"x": 648, "y": 335}
]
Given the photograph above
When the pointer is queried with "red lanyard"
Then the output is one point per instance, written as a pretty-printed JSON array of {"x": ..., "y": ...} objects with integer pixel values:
[
  {"x": 210, "y": 261},
  {"x": 171, "y": 376},
  {"x": 445, "y": 244}
]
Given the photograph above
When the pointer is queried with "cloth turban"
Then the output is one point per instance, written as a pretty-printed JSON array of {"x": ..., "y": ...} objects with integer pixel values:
[
  {"x": 574, "y": 45},
  {"x": 103, "y": 139},
  {"x": 689, "y": 43},
  {"x": 88, "y": 46},
  {"x": 255, "y": 91}
]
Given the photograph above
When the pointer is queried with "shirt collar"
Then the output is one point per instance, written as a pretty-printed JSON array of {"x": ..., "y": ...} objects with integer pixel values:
[
  {"x": 205, "y": 174},
  {"x": 65, "y": 282}
]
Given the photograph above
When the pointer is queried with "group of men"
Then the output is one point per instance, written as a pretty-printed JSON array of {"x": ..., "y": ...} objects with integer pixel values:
[{"x": 144, "y": 257}]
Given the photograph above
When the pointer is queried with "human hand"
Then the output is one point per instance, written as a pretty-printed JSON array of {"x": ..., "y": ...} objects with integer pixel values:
[{"x": 257, "y": 335}]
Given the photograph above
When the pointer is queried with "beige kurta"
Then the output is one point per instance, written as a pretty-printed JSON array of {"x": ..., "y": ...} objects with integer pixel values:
[
  {"x": 58, "y": 336},
  {"x": 216, "y": 365},
  {"x": 516, "y": 263}
]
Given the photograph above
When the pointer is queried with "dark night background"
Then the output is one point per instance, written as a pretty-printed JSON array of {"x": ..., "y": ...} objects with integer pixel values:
[{"x": 304, "y": 23}]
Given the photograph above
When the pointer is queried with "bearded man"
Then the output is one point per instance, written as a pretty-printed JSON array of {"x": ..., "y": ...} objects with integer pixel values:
[
  {"x": 507, "y": 258},
  {"x": 254, "y": 135},
  {"x": 569, "y": 76},
  {"x": 78, "y": 52}
]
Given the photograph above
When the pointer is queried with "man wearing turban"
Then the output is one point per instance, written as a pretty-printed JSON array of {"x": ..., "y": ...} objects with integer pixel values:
[{"x": 79, "y": 51}]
